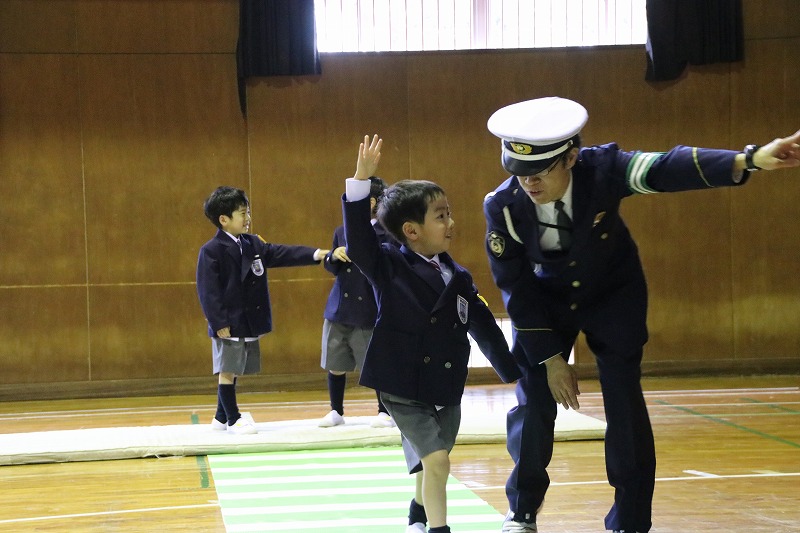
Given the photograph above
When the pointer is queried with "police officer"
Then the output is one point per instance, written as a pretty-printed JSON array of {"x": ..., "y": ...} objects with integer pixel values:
[{"x": 565, "y": 262}]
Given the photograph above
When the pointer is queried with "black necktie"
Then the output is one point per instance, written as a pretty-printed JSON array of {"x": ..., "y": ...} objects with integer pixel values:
[{"x": 564, "y": 226}]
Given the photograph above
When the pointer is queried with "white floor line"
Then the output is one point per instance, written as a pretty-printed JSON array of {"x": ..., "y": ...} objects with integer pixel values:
[
  {"x": 659, "y": 480},
  {"x": 108, "y": 513}
]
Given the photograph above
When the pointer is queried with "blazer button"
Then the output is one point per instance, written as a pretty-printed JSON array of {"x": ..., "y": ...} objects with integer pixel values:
[
  {"x": 576, "y": 284},
  {"x": 360, "y": 298},
  {"x": 448, "y": 364},
  {"x": 573, "y": 306},
  {"x": 433, "y": 320},
  {"x": 573, "y": 263},
  {"x": 604, "y": 236},
  {"x": 426, "y": 359},
  {"x": 348, "y": 270},
  {"x": 346, "y": 295}
]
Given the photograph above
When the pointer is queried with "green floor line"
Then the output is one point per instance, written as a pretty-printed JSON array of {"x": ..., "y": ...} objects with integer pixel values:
[
  {"x": 202, "y": 464},
  {"x": 730, "y": 424},
  {"x": 353, "y": 490}
]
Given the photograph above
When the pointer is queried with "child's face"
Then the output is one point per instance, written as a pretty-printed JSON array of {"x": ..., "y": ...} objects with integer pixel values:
[
  {"x": 238, "y": 222},
  {"x": 433, "y": 236}
]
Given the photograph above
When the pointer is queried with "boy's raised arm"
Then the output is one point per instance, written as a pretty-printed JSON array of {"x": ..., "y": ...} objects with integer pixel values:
[{"x": 369, "y": 155}]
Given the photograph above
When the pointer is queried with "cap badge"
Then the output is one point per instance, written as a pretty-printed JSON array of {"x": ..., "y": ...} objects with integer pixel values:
[
  {"x": 520, "y": 148},
  {"x": 496, "y": 244}
]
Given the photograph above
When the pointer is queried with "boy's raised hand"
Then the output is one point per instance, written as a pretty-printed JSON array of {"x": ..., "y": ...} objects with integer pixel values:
[{"x": 369, "y": 154}]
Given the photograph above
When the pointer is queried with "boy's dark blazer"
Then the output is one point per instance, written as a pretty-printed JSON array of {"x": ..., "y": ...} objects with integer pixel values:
[
  {"x": 351, "y": 300},
  {"x": 419, "y": 348},
  {"x": 233, "y": 289}
]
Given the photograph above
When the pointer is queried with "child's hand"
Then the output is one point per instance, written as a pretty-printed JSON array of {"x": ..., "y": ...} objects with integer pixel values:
[
  {"x": 340, "y": 254},
  {"x": 369, "y": 154},
  {"x": 224, "y": 333}
]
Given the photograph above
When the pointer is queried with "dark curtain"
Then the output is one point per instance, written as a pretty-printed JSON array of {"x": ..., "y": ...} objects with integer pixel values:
[
  {"x": 694, "y": 32},
  {"x": 276, "y": 38}
]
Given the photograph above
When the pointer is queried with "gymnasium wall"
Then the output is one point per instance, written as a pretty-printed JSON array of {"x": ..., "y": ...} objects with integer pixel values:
[{"x": 118, "y": 118}]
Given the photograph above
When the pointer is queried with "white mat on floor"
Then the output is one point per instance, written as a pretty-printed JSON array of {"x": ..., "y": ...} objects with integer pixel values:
[{"x": 199, "y": 439}]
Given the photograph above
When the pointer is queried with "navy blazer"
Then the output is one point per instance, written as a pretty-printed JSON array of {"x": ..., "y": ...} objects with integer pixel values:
[
  {"x": 550, "y": 296},
  {"x": 419, "y": 348},
  {"x": 351, "y": 300},
  {"x": 233, "y": 289}
]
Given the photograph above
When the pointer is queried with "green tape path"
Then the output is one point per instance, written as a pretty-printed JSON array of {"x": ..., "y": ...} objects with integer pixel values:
[{"x": 344, "y": 491}]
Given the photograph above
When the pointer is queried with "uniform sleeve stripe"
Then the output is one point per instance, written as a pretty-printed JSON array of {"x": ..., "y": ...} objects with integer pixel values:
[{"x": 637, "y": 172}]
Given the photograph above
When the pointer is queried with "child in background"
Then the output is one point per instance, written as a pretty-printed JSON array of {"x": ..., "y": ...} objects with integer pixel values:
[
  {"x": 233, "y": 291},
  {"x": 349, "y": 318}
]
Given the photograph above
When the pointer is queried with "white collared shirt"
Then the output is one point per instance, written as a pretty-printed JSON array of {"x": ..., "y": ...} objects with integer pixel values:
[{"x": 548, "y": 237}]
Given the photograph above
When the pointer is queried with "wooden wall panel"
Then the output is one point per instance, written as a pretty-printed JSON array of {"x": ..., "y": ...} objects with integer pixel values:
[
  {"x": 147, "y": 331},
  {"x": 764, "y": 238},
  {"x": 45, "y": 335},
  {"x": 42, "y": 239},
  {"x": 161, "y": 132},
  {"x": 157, "y": 26},
  {"x": 117, "y": 119},
  {"x": 37, "y": 26}
]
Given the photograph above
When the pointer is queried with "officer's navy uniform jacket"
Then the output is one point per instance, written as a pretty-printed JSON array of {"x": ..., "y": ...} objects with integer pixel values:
[
  {"x": 351, "y": 300},
  {"x": 233, "y": 287},
  {"x": 419, "y": 348},
  {"x": 597, "y": 287}
]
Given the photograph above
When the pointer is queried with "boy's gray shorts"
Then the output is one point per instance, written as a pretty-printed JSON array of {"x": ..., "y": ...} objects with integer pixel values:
[
  {"x": 423, "y": 428},
  {"x": 343, "y": 347},
  {"x": 238, "y": 357}
]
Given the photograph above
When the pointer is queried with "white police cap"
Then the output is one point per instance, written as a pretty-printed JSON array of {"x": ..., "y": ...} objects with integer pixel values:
[{"x": 534, "y": 133}]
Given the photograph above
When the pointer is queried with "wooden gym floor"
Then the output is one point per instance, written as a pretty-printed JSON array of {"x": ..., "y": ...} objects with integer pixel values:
[{"x": 728, "y": 460}]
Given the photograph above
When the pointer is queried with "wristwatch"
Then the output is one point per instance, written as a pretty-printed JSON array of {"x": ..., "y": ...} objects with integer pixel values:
[{"x": 749, "y": 152}]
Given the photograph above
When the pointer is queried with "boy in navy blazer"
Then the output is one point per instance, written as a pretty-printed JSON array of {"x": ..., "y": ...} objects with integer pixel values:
[
  {"x": 233, "y": 291},
  {"x": 427, "y": 303},
  {"x": 349, "y": 317}
]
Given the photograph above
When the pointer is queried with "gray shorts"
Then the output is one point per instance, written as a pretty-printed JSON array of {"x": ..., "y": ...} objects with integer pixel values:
[
  {"x": 423, "y": 428},
  {"x": 236, "y": 357},
  {"x": 343, "y": 347}
]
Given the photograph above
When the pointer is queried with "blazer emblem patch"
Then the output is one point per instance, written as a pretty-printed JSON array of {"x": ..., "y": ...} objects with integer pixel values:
[
  {"x": 257, "y": 267},
  {"x": 463, "y": 309}
]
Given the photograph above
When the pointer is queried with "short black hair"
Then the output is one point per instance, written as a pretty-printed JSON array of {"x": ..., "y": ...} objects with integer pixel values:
[
  {"x": 224, "y": 201},
  {"x": 405, "y": 201},
  {"x": 376, "y": 187}
]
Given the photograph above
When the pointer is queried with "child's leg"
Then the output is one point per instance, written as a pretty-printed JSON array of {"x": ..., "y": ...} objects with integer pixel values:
[
  {"x": 226, "y": 396},
  {"x": 435, "y": 471},
  {"x": 416, "y": 511},
  {"x": 337, "y": 381}
]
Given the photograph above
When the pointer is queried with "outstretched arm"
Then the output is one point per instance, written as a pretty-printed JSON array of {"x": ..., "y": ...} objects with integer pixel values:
[{"x": 780, "y": 153}]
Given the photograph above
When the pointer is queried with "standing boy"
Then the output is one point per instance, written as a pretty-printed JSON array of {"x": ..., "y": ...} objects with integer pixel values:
[
  {"x": 349, "y": 317},
  {"x": 233, "y": 291},
  {"x": 565, "y": 262},
  {"x": 427, "y": 303}
]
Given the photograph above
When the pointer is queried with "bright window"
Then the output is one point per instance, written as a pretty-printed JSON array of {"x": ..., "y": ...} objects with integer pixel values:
[{"x": 401, "y": 25}]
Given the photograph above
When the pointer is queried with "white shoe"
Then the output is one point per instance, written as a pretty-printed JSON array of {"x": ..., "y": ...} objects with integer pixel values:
[
  {"x": 383, "y": 420},
  {"x": 510, "y": 526},
  {"x": 216, "y": 425},
  {"x": 243, "y": 426},
  {"x": 331, "y": 419},
  {"x": 416, "y": 527}
]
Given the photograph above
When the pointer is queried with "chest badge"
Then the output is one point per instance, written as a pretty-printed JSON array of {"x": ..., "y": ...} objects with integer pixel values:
[
  {"x": 462, "y": 306},
  {"x": 257, "y": 267},
  {"x": 497, "y": 244},
  {"x": 598, "y": 218}
]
